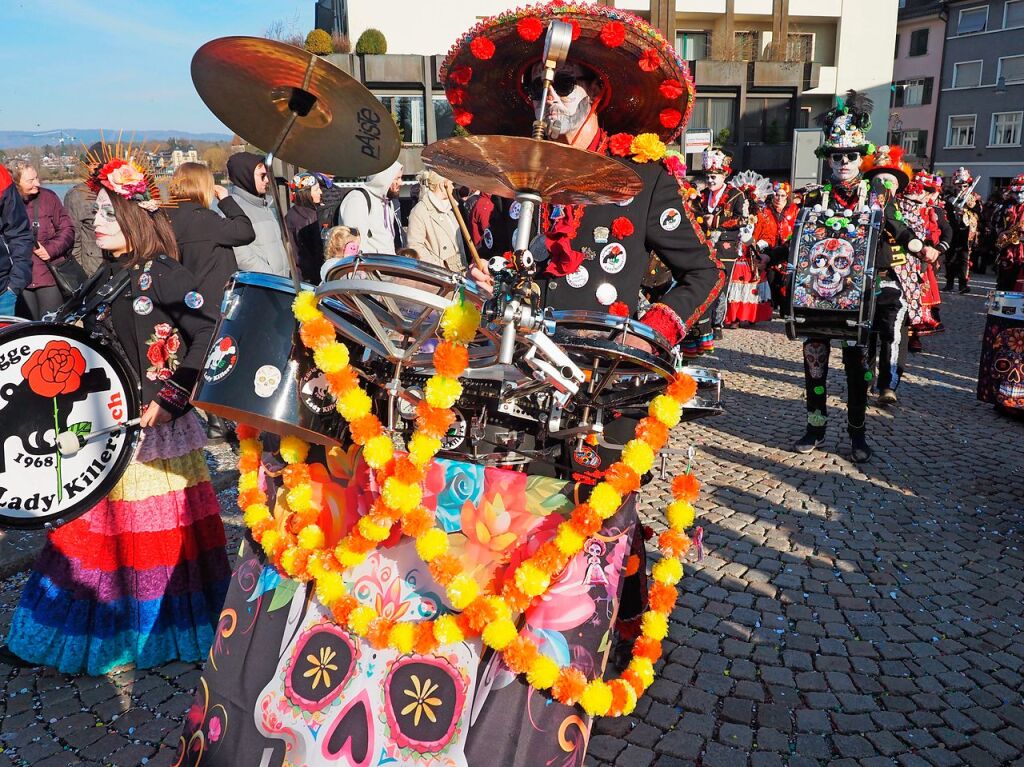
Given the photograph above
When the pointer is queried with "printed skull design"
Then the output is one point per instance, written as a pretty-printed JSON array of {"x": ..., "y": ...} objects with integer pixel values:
[
  {"x": 334, "y": 700},
  {"x": 831, "y": 264},
  {"x": 1008, "y": 367}
]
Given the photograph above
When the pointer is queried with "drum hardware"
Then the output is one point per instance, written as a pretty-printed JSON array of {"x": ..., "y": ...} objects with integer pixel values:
[{"x": 69, "y": 443}]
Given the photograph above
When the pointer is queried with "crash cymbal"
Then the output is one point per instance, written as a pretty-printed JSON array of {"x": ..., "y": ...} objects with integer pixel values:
[
  {"x": 265, "y": 90},
  {"x": 558, "y": 173}
]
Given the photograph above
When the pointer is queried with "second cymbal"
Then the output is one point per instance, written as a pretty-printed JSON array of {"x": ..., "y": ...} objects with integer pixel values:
[{"x": 558, "y": 173}]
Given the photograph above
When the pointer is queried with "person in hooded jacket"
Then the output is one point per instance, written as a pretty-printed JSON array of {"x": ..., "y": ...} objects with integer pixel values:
[
  {"x": 433, "y": 229},
  {"x": 250, "y": 183},
  {"x": 368, "y": 210},
  {"x": 303, "y": 225}
]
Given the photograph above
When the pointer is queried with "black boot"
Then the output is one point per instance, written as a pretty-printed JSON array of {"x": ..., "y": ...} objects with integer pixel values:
[
  {"x": 811, "y": 439},
  {"x": 216, "y": 429},
  {"x": 861, "y": 452}
]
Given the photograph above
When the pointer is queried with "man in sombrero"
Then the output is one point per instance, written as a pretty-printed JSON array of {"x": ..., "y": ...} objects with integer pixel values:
[{"x": 622, "y": 92}]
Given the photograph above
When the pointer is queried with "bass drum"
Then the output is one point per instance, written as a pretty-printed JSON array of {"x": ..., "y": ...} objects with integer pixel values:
[{"x": 59, "y": 383}]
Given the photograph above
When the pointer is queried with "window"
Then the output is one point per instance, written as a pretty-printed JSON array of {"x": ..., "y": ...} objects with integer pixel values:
[
  {"x": 746, "y": 45},
  {"x": 444, "y": 120},
  {"x": 919, "y": 42},
  {"x": 912, "y": 93},
  {"x": 717, "y": 115},
  {"x": 693, "y": 46},
  {"x": 800, "y": 47},
  {"x": 1012, "y": 68},
  {"x": 768, "y": 119},
  {"x": 967, "y": 74},
  {"x": 1013, "y": 14},
  {"x": 408, "y": 111},
  {"x": 1006, "y": 129},
  {"x": 914, "y": 142},
  {"x": 972, "y": 20},
  {"x": 961, "y": 131}
]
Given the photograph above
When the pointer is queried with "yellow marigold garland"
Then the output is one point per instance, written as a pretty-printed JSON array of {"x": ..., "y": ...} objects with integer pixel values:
[{"x": 299, "y": 552}]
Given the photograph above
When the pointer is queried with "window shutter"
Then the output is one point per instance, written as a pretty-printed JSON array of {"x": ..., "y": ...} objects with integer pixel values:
[
  {"x": 922, "y": 142},
  {"x": 926, "y": 98},
  {"x": 900, "y": 90}
]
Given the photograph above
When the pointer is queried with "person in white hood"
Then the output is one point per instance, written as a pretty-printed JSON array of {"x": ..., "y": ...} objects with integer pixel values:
[{"x": 368, "y": 209}]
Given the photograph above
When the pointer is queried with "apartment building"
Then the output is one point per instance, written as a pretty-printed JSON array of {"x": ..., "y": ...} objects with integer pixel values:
[
  {"x": 981, "y": 104},
  {"x": 917, "y": 67}
]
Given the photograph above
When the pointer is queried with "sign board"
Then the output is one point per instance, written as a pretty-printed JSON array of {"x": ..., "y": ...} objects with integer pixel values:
[
  {"x": 805, "y": 167},
  {"x": 697, "y": 141}
]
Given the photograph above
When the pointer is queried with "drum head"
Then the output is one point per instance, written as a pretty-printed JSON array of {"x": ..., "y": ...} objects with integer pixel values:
[{"x": 58, "y": 379}]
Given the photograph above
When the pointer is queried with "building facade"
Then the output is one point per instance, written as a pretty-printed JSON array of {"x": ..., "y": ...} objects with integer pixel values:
[
  {"x": 980, "y": 116},
  {"x": 917, "y": 67},
  {"x": 762, "y": 67}
]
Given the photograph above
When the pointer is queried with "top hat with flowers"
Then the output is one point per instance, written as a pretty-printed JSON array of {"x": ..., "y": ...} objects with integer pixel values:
[
  {"x": 714, "y": 160},
  {"x": 121, "y": 169},
  {"x": 887, "y": 159},
  {"x": 846, "y": 125},
  {"x": 647, "y": 86}
]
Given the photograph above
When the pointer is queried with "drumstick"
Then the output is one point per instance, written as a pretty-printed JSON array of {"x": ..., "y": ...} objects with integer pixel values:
[{"x": 465, "y": 232}]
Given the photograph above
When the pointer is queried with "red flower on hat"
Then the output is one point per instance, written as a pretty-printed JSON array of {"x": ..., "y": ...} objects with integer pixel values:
[
  {"x": 530, "y": 28},
  {"x": 613, "y": 34},
  {"x": 456, "y": 96},
  {"x": 461, "y": 76},
  {"x": 671, "y": 89},
  {"x": 622, "y": 228},
  {"x": 482, "y": 48},
  {"x": 462, "y": 117},
  {"x": 650, "y": 60},
  {"x": 670, "y": 118},
  {"x": 618, "y": 309},
  {"x": 620, "y": 143}
]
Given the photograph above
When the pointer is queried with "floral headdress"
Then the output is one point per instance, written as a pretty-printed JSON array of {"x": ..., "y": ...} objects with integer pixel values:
[
  {"x": 121, "y": 169},
  {"x": 1017, "y": 185},
  {"x": 714, "y": 160},
  {"x": 648, "y": 88},
  {"x": 962, "y": 176},
  {"x": 301, "y": 180},
  {"x": 846, "y": 125},
  {"x": 781, "y": 187},
  {"x": 887, "y": 159},
  {"x": 928, "y": 181}
]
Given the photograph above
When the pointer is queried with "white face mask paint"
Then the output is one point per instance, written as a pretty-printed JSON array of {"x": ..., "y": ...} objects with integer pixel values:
[{"x": 565, "y": 114}]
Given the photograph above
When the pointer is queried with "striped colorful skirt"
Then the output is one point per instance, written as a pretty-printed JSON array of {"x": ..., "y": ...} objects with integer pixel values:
[{"x": 138, "y": 579}]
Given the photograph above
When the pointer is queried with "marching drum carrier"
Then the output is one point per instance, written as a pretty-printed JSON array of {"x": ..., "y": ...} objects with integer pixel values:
[{"x": 832, "y": 272}]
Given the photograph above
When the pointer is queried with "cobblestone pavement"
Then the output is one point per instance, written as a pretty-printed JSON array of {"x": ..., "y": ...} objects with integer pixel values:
[{"x": 842, "y": 615}]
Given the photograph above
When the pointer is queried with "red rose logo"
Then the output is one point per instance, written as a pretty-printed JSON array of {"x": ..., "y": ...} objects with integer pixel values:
[
  {"x": 671, "y": 89},
  {"x": 482, "y": 48},
  {"x": 55, "y": 369},
  {"x": 529, "y": 28},
  {"x": 622, "y": 228},
  {"x": 173, "y": 343},
  {"x": 613, "y": 34},
  {"x": 162, "y": 330},
  {"x": 620, "y": 143}
]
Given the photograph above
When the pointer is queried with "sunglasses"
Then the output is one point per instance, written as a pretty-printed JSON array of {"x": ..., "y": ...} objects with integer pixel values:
[
  {"x": 847, "y": 156},
  {"x": 563, "y": 85}
]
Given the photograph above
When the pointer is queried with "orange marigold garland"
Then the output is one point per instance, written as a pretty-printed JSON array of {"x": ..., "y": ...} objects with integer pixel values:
[{"x": 297, "y": 546}]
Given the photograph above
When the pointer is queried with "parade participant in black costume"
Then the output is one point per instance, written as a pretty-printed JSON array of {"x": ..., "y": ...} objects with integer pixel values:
[
  {"x": 845, "y": 147},
  {"x": 721, "y": 211},
  {"x": 963, "y": 208}
]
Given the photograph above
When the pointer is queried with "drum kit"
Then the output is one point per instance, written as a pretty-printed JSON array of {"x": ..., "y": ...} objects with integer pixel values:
[{"x": 537, "y": 376}]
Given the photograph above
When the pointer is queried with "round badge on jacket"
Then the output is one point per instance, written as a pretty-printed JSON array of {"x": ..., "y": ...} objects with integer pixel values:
[
  {"x": 578, "y": 278},
  {"x": 193, "y": 299},
  {"x": 143, "y": 305},
  {"x": 671, "y": 219},
  {"x": 613, "y": 258}
]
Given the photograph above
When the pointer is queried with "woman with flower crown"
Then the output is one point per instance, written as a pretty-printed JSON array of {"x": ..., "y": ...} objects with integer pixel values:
[{"x": 140, "y": 578}]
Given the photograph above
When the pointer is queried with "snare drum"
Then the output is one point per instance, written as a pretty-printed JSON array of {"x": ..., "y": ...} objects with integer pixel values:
[
  {"x": 258, "y": 371},
  {"x": 58, "y": 380},
  {"x": 1001, "y": 371},
  {"x": 832, "y": 272}
]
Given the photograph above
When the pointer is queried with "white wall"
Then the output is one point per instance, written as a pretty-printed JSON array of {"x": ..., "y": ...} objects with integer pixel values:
[
  {"x": 864, "y": 55},
  {"x": 418, "y": 27}
]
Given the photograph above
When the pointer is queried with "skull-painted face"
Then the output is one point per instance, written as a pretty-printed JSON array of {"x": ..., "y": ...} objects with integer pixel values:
[
  {"x": 831, "y": 264},
  {"x": 1008, "y": 367},
  {"x": 335, "y": 700}
]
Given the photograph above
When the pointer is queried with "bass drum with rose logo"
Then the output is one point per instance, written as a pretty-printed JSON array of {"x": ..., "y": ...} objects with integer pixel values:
[
  {"x": 1001, "y": 369},
  {"x": 832, "y": 274},
  {"x": 258, "y": 371},
  {"x": 69, "y": 407}
]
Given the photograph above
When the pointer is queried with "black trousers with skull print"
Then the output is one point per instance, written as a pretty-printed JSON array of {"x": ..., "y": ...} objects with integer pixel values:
[{"x": 855, "y": 362}]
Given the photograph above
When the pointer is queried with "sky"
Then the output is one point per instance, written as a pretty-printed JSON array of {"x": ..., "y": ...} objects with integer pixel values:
[{"x": 120, "y": 63}]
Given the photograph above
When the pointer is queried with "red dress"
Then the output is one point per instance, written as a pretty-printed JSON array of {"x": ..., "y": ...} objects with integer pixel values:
[{"x": 749, "y": 296}]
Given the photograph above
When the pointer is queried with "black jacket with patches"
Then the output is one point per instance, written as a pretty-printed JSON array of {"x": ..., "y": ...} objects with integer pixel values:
[
  {"x": 726, "y": 218},
  {"x": 662, "y": 224},
  {"x": 164, "y": 326}
]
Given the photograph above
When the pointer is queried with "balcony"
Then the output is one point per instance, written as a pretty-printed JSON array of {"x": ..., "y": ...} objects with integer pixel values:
[{"x": 757, "y": 74}]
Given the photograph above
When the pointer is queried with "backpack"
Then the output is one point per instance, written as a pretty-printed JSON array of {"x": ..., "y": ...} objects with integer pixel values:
[{"x": 328, "y": 213}]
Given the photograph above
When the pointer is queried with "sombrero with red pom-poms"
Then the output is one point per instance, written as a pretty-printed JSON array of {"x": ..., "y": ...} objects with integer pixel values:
[{"x": 648, "y": 88}]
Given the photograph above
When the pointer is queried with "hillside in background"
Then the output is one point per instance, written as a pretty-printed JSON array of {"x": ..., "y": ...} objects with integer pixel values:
[{"x": 75, "y": 137}]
